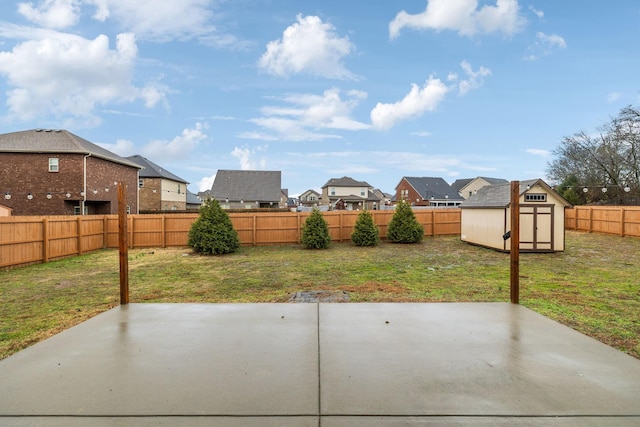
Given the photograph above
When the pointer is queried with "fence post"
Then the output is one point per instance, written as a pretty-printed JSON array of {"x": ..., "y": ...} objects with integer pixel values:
[
  {"x": 79, "y": 235},
  {"x": 45, "y": 240},
  {"x": 433, "y": 223},
  {"x": 105, "y": 230},
  {"x": 590, "y": 219},
  {"x": 255, "y": 232},
  {"x": 164, "y": 230}
]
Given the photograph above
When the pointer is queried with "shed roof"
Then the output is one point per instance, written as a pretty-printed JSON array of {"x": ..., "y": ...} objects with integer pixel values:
[
  {"x": 499, "y": 195},
  {"x": 248, "y": 185},
  {"x": 56, "y": 141},
  {"x": 152, "y": 170}
]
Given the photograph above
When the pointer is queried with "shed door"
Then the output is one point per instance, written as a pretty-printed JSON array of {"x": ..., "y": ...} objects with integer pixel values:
[{"x": 536, "y": 227}]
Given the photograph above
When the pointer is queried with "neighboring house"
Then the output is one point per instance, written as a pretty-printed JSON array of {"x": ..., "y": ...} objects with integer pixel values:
[
  {"x": 309, "y": 198},
  {"x": 54, "y": 172},
  {"x": 349, "y": 194},
  {"x": 427, "y": 191},
  {"x": 193, "y": 201},
  {"x": 468, "y": 187},
  {"x": 248, "y": 189},
  {"x": 159, "y": 189},
  {"x": 385, "y": 198},
  {"x": 486, "y": 217}
]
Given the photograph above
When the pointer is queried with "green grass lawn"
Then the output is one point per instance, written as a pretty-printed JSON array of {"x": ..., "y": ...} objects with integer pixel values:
[{"x": 593, "y": 287}]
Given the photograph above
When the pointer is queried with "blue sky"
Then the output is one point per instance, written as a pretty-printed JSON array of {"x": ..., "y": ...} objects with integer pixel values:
[{"x": 321, "y": 89}]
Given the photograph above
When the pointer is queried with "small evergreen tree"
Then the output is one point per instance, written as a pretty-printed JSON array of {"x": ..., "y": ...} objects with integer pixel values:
[
  {"x": 404, "y": 227},
  {"x": 365, "y": 232},
  {"x": 315, "y": 232},
  {"x": 212, "y": 233}
]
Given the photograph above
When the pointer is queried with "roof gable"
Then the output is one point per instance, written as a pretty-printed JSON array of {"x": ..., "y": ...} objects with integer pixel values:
[
  {"x": 152, "y": 170},
  {"x": 249, "y": 185},
  {"x": 56, "y": 141}
]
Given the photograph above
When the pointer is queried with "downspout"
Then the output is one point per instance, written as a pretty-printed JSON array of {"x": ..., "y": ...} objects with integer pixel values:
[
  {"x": 137, "y": 192},
  {"x": 84, "y": 184}
]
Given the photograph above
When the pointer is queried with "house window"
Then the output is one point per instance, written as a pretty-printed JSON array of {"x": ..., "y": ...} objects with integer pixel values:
[
  {"x": 140, "y": 183},
  {"x": 333, "y": 191},
  {"x": 179, "y": 189},
  {"x": 535, "y": 197},
  {"x": 312, "y": 198},
  {"x": 362, "y": 192},
  {"x": 53, "y": 164}
]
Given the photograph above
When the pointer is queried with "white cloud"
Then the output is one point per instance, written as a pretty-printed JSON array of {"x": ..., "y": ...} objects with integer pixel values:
[
  {"x": 56, "y": 14},
  {"x": 539, "y": 152},
  {"x": 422, "y": 134},
  {"x": 420, "y": 100},
  {"x": 206, "y": 183},
  {"x": 309, "y": 46},
  {"x": 474, "y": 80},
  {"x": 544, "y": 45},
  {"x": 179, "y": 147},
  {"x": 613, "y": 97},
  {"x": 416, "y": 102},
  {"x": 462, "y": 16},
  {"x": 66, "y": 75},
  {"x": 158, "y": 20},
  {"x": 247, "y": 158},
  {"x": 305, "y": 115},
  {"x": 122, "y": 147},
  {"x": 538, "y": 13}
]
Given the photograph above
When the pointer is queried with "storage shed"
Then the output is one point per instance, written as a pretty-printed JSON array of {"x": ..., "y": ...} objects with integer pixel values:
[{"x": 486, "y": 217}]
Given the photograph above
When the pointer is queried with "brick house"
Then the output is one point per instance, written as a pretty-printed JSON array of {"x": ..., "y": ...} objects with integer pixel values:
[
  {"x": 54, "y": 172},
  {"x": 159, "y": 189},
  {"x": 427, "y": 191}
]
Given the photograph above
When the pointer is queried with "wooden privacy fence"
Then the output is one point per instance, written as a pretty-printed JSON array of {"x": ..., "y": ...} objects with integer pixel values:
[
  {"x": 618, "y": 220},
  {"x": 32, "y": 239}
]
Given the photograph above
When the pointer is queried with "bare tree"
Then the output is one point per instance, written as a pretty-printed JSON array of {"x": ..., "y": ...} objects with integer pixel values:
[{"x": 608, "y": 160}]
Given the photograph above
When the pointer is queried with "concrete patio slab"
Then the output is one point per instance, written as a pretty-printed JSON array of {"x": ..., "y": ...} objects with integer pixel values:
[
  {"x": 450, "y": 364},
  {"x": 468, "y": 360},
  {"x": 171, "y": 359}
]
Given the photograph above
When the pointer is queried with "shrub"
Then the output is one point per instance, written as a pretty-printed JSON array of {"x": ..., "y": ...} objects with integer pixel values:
[
  {"x": 212, "y": 233},
  {"x": 404, "y": 227},
  {"x": 365, "y": 232},
  {"x": 315, "y": 232}
]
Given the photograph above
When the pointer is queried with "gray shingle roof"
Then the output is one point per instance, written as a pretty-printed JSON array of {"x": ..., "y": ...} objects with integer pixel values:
[
  {"x": 499, "y": 196},
  {"x": 345, "y": 181},
  {"x": 436, "y": 187},
  {"x": 152, "y": 170},
  {"x": 458, "y": 184},
  {"x": 56, "y": 141},
  {"x": 261, "y": 186},
  {"x": 192, "y": 199}
]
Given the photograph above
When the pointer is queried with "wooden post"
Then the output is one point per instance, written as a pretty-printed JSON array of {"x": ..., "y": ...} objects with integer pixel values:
[
  {"x": 80, "y": 251},
  {"x": 123, "y": 244},
  {"x": 515, "y": 242},
  {"x": 45, "y": 240}
]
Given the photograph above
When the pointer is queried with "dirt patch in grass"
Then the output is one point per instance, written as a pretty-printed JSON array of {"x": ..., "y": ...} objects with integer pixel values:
[{"x": 591, "y": 287}]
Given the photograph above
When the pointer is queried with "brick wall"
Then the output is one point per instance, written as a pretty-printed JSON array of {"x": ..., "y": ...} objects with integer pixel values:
[
  {"x": 24, "y": 173},
  {"x": 150, "y": 194},
  {"x": 413, "y": 194}
]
